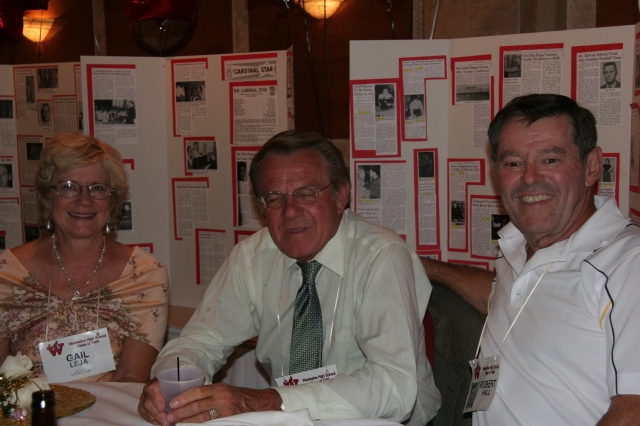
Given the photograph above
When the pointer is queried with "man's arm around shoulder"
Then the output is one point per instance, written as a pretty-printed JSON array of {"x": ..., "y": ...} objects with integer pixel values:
[{"x": 472, "y": 284}]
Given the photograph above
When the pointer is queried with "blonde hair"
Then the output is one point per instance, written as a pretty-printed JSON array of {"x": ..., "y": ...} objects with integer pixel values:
[{"x": 68, "y": 151}]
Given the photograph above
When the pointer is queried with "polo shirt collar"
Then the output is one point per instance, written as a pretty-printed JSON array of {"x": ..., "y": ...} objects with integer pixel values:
[{"x": 604, "y": 225}]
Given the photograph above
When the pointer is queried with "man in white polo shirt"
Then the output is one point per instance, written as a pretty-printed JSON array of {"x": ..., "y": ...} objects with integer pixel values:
[{"x": 562, "y": 310}]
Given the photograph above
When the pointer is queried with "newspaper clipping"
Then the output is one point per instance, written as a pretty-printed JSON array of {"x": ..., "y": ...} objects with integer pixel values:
[
  {"x": 9, "y": 212},
  {"x": 64, "y": 113},
  {"x": 29, "y": 204},
  {"x": 380, "y": 194},
  {"x": 598, "y": 85},
  {"x": 6, "y": 173},
  {"x": 29, "y": 149},
  {"x": 191, "y": 205},
  {"x": 25, "y": 89},
  {"x": 212, "y": 251},
  {"x": 251, "y": 69},
  {"x": 47, "y": 78},
  {"x": 248, "y": 214},
  {"x": 460, "y": 174},
  {"x": 473, "y": 87},
  {"x": 637, "y": 65},
  {"x": 7, "y": 121},
  {"x": 427, "y": 198},
  {"x": 607, "y": 182},
  {"x": 487, "y": 218},
  {"x": 201, "y": 155},
  {"x": 77, "y": 69},
  {"x": 531, "y": 71},
  {"x": 375, "y": 121},
  {"x": 45, "y": 117},
  {"x": 414, "y": 74},
  {"x": 254, "y": 112},
  {"x": 114, "y": 105},
  {"x": 191, "y": 100},
  {"x": 634, "y": 157}
]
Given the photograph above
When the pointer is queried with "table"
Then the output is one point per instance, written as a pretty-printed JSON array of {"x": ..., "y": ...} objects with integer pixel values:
[{"x": 117, "y": 405}]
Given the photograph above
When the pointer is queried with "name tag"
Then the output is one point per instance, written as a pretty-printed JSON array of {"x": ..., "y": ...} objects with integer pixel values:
[
  {"x": 77, "y": 356},
  {"x": 484, "y": 381},
  {"x": 318, "y": 375}
]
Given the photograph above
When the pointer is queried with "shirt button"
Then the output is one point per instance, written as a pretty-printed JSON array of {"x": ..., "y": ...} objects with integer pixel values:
[{"x": 519, "y": 292}]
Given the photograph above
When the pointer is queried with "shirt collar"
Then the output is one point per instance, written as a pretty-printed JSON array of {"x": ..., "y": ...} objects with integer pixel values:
[
  {"x": 332, "y": 254},
  {"x": 603, "y": 226}
]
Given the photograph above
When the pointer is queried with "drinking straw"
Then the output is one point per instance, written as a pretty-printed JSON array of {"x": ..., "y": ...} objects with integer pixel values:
[{"x": 178, "y": 362}]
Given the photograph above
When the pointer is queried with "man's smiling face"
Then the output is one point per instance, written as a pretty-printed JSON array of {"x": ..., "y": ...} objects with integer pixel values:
[{"x": 545, "y": 187}]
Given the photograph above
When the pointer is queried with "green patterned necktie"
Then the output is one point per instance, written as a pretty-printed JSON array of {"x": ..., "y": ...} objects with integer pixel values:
[{"x": 306, "y": 338}]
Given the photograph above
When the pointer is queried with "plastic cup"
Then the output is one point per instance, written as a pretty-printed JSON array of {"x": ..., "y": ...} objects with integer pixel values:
[{"x": 190, "y": 377}]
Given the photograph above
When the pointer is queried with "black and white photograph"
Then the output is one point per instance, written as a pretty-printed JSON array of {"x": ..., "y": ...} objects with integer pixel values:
[
  {"x": 201, "y": 155},
  {"x": 610, "y": 75},
  {"x": 498, "y": 221},
  {"x": 363, "y": 186},
  {"x": 513, "y": 66},
  {"x": 413, "y": 107},
  {"x": 190, "y": 91},
  {"x": 114, "y": 111},
  {"x": 608, "y": 170},
  {"x": 473, "y": 92},
  {"x": 457, "y": 212},
  {"x": 6, "y": 176},
  {"x": 2, "y": 242},
  {"x": 368, "y": 185},
  {"x": 126, "y": 218},
  {"x": 47, "y": 78},
  {"x": 425, "y": 165},
  {"x": 45, "y": 117},
  {"x": 30, "y": 88},
  {"x": 34, "y": 149},
  {"x": 374, "y": 182},
  {"x": 385, "y": 100},
  {"x": 6, "y": 108}
]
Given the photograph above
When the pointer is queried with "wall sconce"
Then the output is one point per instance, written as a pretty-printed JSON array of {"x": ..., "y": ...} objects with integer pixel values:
[
  {"x": 36, "y": 29},
  {"x": 315, "y": 8}
]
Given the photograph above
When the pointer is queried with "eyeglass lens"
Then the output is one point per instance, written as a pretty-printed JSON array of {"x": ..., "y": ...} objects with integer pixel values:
[
  {"x": 69, "y": 189},
  {"x": 305, "y": 195}
]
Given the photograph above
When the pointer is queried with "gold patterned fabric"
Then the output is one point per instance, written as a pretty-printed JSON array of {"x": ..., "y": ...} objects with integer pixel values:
[{"x": 134, "y": 306}]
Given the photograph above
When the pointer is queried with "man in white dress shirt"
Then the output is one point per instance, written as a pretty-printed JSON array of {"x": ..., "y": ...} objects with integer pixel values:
[{"x": 372, "y": 293}]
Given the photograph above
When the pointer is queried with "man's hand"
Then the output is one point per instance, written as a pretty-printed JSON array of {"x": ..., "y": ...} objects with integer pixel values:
[
  {"x": 194, "y": 405},
  {"x": 151, "y": 405}
]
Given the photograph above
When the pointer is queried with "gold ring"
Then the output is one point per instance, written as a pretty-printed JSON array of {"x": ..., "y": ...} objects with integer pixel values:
[{"x": 213, "y": 413}]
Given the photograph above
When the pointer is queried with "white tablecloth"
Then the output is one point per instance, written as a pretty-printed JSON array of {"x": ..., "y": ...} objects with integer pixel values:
[{"x": 117, "y": 405}]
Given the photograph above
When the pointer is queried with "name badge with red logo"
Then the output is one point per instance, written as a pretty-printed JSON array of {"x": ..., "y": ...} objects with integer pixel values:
[
  {"x": 318, "y": 375},
  {"x": 484, "y": 381},
  {"x": 77, "y": 356}
]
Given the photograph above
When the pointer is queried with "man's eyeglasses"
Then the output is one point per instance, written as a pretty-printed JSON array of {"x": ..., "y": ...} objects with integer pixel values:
[
  {"x": 70, "y": 189},
  {"x": 304, "y": 195}
]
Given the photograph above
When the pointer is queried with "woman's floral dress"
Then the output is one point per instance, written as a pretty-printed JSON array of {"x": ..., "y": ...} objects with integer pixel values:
[{"x": 135, "y": 306}]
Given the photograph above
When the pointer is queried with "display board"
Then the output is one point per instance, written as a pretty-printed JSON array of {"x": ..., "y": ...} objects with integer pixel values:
[
  {"x": 420, "y": 110},
  {"x": 187, "y": 128}
]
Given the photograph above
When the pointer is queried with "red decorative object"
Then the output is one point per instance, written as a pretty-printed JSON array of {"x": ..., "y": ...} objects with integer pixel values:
[
  {"x": 11, "y": 12},
  {"x": 11, "y": 20},
  {"x": 159, "y": 10}
]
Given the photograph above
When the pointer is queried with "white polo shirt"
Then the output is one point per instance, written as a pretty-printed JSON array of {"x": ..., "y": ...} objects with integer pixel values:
[{"x": 559, "y": 364}]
